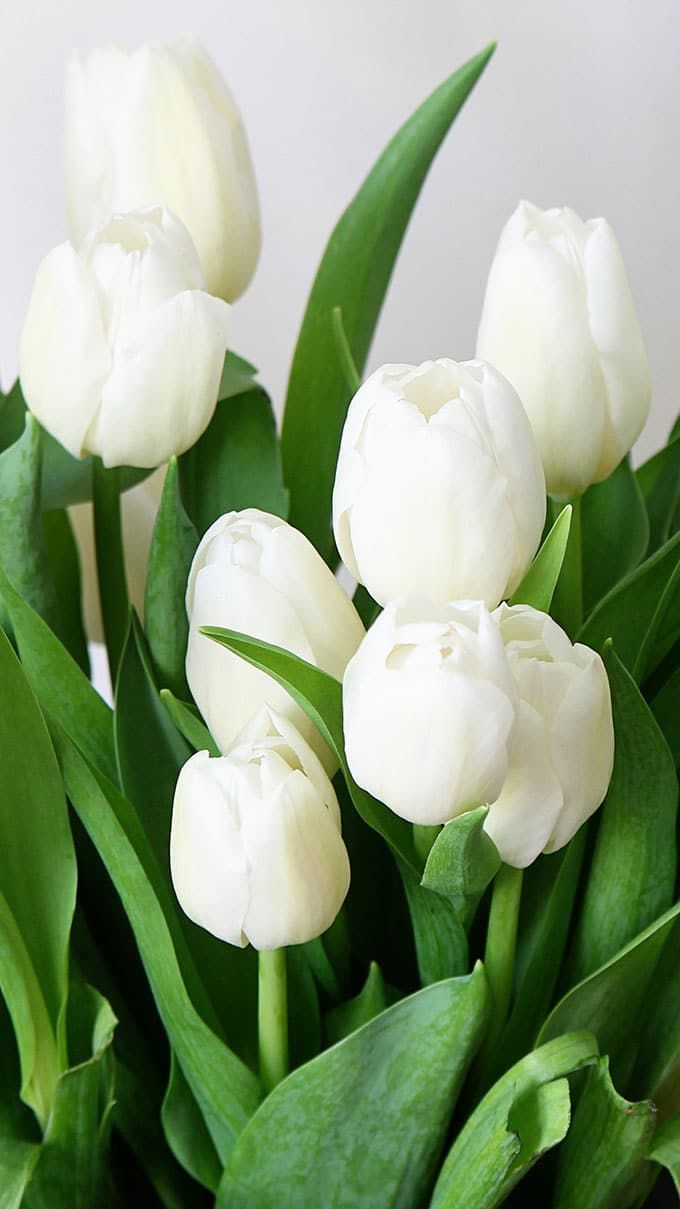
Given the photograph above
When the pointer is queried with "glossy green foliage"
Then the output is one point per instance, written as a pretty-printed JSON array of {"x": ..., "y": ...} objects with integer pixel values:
[
  {"x": 539, "y": 583},
  {"x": 165, "y": 617},
  {"x": 615, "y": 533}
]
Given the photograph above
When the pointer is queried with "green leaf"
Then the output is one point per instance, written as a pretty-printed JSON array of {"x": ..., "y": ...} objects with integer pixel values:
[
  {"x": 615, "y": 532},
  {"x": 72, "y": 1172},
  {"x": 64, "y": 568},
  {"x": 548, "y": 894},
  {"x": 12, "y": 416},
  {"x": 665, "y": 710},
  {"x": 38, "y": 883},
  {"x": 137, "y": 1119},
  {"x": 627, "y": 612},
  {"x": 657, "y": 1067},
  {"x": 522, "y": 1115},
  {"x": 189, "y": 723},
  {"x": 166, "y": 624},
  {"x": 663, "y": 631},
  {"x": 373, "y": 998},
  {"x": 599, "y": 1164},
  {"x": 304, "y": 1013},
  {"x": 225, "y": 1090},
  {"x": 17, "y": 1162},
  {"x": 365, "y": 606},
  {"x": 320, "y": 696},
  {"x": 539, "y": 583},
  {"x": 659, "y": 481},
  {"x": 462, "y": 862},
  {"x": 236, "y": 463},
  {"x": 441, "y": 943},
  {"x": 61, "y": 687},
  {"x": 666, "y": 1149},
  {"x": 632, "y": 876},
  {"x": 608, "y": 1002},
  {"x": 237, "y": 376},
  {"x": 363, "y": 1124},
  {"x": 186, "y": 1131},
  {"x": 354, "y": 274},
  {"x": 22, "y": 549}
]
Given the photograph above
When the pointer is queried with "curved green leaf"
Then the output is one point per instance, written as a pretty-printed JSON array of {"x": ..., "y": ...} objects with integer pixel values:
[
  {"x": 615, "y": 532},
  {"x": 373, "y": 998},
  {"x": 363, "y": 1124},
  {"x": 22, "y": 548},
  {"x": 666, "y": 1149},
  {"x": 64, "y": 569},
  {"x": 441, "y": 943},
  {"x": 354, "y": 274},
  {"x": 186, "y": 1130},
  {"x": 166, "y": 624},
  {"x": 659, "y": 481},
  {"x": 462, "y": 862},
  {"x": 538, "y": 586}
]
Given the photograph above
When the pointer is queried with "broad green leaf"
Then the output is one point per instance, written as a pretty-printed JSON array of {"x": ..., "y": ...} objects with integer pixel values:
[
  {"x": 186, "y": 1131},
  {"x": 150, "y": 754},
  {"x": 189, "y": 723},
  {"x": 615, "y": 532},
  {"x": 663, "y": 631},
  {"x": 37, "y": 878},
  {"x": 599, "y": 1164},
  {"x": 320, "y": 696},
  {"x": 236, "y": 463},
  {"x": 523, "y": 1114},
  {"x": 548, "y": 894},
  {"x": 64, "y": 569},
  {"x": 60, "y": 685},
  {"x": 608, "y": 1002},
  {"x": 441, "y": 943},
  {"x": 657, "y": 1066},
  {"x": 626, "y": 613},
  {"x": 165, "y": 617},
  {"x": 462, "y": 862},
  {"x": 354, "y": 274},
  {"x": 225, "y": 1090},
  {"x": 631, "y": 880},
  {"x": 12, "y": 416},
  {"x": 22, "y": 549},
  {"x": 373, "y": 998},
  {"x": 237, "y": 376},
  {"x": 665, "y": 709},
  {"x": 72, "y": 1170},
  {"x": 659, "y": 481},
  {"x": 666, "y": 1149},
  {"x": 540, "y": 581},
  {"x": 19, "y": 1133},
  {"x": 363, "y": 1124},
  {"x": 17, "y": 1163}
]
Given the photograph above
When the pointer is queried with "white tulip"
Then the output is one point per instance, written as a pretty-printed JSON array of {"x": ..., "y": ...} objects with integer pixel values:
[
  {"x": 562, "y": 754},
  {"x": 122, "y": 350},
  {"x": 256, "y": 853},
  {"x": 159, "y": 125},
  {"x": 439, "y": 489},
  {"x": 429, "y": 709},
  {"x": 559, "y": 321},
  {"x": 254, "y": 573}
]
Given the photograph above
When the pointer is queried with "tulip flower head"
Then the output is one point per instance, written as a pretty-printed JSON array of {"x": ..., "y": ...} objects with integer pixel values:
[
  {"x": 439, "y": 489},
  {"x": 122, "y": 349},
  {"x": 256, "y": 852}
]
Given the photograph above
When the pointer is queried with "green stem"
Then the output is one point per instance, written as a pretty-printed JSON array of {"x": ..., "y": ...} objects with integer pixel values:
[
  {"x": 108, "y": 538},
  {"x": 423, "y": 839},
  {"x": 272, "y": 1017},
  {"x": 499, "y": 957},
  {"x": 568, "y": 601}
]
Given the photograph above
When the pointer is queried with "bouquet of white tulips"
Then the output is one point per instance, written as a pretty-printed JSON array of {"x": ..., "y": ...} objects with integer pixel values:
[{"x": 364, "y": 890}]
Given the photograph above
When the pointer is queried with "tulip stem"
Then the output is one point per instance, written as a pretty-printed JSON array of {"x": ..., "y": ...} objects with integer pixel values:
[
  {"x": 108, "y": 538},
  {"x": 272, "y": 1017},
  {"x": 499, "y": 957},
  {"x": 568, "y": 600}
]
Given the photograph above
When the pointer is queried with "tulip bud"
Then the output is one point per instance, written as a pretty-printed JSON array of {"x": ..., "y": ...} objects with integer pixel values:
[
  {"x": 122, "y": 350},
  {"x": 254, "y": 573},
  {"x": 159, "y": 125},
  {"x": 559, "y": 321},
  {"x": 439, "y": 489},
  {"x": 256, "y": 853},
  {"x": 562, "y": 753},
  {"x": 429, "y": 708}
]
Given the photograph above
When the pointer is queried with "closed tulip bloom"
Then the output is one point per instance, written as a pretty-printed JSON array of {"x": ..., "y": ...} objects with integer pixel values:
[
  {"x": 429, "y": 709},
  {"x": 559, "y": 321},
  {"x": 256, "y": 852},
  {"x": 254, "y": 573},
  {"x": 563, "y": 751},
  {"x": 159, "y": 125},
  {"x": 439, "y": 489},
  {"x": 122, "y": 349}
]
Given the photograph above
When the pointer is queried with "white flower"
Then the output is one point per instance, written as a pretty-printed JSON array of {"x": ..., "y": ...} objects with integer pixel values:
[
  {"x": 122, "y": 350},
  {"x": 562, "y": 754},
  {"x": 254, "y": 573},
  {"x": 429, "y": 707},
  {"x": 159, "y": 125},
  {"x": 559, "y": 321},
  {"x": 256, "y": 853},
  {"x": 439, "y": 490}
]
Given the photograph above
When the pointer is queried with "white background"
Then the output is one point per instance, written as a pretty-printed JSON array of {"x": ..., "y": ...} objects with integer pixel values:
[{"x": 580, "y": 105}]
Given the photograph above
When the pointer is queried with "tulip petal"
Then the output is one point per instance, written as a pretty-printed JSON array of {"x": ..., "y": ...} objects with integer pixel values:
[{"x": 522, "y": 818}]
